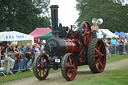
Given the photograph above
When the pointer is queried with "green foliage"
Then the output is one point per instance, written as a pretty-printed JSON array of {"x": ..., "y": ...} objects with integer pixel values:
[
  {"x": 23, "y": 15},
  {"x": 112, "y": 12}
]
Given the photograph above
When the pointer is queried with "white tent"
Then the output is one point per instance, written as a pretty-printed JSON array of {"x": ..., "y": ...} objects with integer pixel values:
[
  {"x": 14, "y": 36},
  {"x": 107, "y": 33},
  {"x": 126, "y": 33}
]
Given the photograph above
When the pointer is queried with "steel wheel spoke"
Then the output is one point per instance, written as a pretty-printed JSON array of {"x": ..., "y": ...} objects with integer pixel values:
[
  {"x": 44, "y": 71},
  {"x": 99, "y": 46},
  {"x": 68, "y": 72},
  {"x": 98, "y": 52},
  {"x": 98, "y": 60},
  {"x": 101, "y": 64},
  {"x": 96, "y": 56},
  {"x": 102, "y": 54},
  {"x": 40, "y": 72}
]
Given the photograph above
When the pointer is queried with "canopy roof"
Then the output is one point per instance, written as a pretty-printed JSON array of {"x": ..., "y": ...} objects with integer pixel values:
[
  {"x": 39, "y": 32},
  {"x": 46, "y": 36},
  {"x": 121, "y": 34},
  {"x": 106, "y": 33},
  {"x": 14, "y": 36},
  {"x": 117, "y": 33}
]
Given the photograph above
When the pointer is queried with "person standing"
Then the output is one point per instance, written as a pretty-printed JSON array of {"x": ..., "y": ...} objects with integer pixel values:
[
  {"x": 26, "y": 55},
  {"x": 125, "y": 43},
  {"x": 107, "y": 48},
  {"x": 33, "y": 55},
  {"x": 9, "y": 52},
  {"x": 117, "y": 46},
  {"x": 22, "y": 49},
  {"x": 37, "y": 49},
  {"x": 43, "y": 47},
  {"x": 7, "y": 45},
  {"x": 121, "y": 43},
  {"x": 2, "y": 55},
  {"x": 113, "y": 41},
  {"x": 17, "y": 59},
  {"x": 95, "y": 29}
]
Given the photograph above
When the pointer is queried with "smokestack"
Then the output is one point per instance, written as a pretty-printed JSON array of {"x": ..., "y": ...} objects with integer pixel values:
[{"x": 54, "y": 15}]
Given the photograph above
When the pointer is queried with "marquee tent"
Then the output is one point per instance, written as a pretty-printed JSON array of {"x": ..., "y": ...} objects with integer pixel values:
[
  {"x": 39, "y": 32},
  {"x": 126, "y": 33},
  {"x": 105, "y": 33},
  {"x": 117, "y": 33},
  {"x": 14, "y": 36},
  {"x": 123, "y": 34},
  {"x": 46, "y": 36}
]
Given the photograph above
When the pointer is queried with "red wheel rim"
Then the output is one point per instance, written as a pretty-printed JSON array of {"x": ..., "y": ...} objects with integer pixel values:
[
  {"x": 71, "y": 67},
  {"x": 41, "y": 69},
  {"x": 100, "y": 55}
]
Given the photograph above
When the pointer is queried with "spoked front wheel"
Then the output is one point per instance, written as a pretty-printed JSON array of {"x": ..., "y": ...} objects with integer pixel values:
[
  {"x": 69, "y": 67},
  {"x": 39, "y": 67}
]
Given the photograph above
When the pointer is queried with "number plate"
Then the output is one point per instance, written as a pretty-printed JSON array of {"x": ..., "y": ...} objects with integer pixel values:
[{"x": 57, "y": 60}]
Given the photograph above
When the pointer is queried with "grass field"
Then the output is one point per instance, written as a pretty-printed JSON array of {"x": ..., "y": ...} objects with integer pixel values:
[
  {"x": 116, "y": 77},
  {"x": 121, "y": 75}
]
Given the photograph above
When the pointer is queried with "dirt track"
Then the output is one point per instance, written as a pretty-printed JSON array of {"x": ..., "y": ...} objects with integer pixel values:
[{"x": 57, "y": 79}]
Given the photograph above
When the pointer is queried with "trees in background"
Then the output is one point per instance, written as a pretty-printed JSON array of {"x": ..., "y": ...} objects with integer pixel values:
[
  {"x": 23, "y": 15},
  {"x": 115, "y": 15}
]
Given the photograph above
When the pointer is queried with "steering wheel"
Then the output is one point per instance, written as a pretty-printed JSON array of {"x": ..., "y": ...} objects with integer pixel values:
[{"x": 85, "y": 33}]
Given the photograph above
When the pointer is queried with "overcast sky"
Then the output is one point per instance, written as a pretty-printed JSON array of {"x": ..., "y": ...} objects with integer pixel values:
[{"x": 67, "y": 13}]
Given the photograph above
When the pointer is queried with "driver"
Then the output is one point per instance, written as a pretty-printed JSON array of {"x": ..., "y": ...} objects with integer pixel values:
[
  {"x": 85, "y": 28},
  {"x": 85, "y": 31}
]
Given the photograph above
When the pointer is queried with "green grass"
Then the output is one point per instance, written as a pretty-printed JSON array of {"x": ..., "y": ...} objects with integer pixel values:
[
  {"x": 16, "y": 76},
  {"x": 116, "y": 58},
  {"x": 116, "y": 77},
  {"x": 27, "y": 74}
]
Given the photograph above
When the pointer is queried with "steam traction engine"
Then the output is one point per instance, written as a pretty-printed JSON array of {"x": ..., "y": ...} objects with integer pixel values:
[{"x": 67, "y": 50}]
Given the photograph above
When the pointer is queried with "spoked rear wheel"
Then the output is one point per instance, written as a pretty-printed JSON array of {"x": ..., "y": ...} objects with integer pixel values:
[
  {"x": 69, "y": 67},
  {"x": 39, "y": 69},
  {"x": 96, "y": 55}
]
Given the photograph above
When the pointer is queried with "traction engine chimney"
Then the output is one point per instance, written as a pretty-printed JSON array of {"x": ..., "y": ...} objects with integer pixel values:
[{"x": 54, "y": 15}]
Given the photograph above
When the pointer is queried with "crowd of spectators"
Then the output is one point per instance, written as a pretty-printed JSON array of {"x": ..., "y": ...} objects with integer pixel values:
[
  {"x": 117, "y": 46},
  {"x": 14, "y": 58}
]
